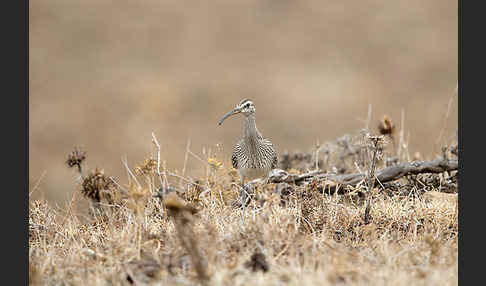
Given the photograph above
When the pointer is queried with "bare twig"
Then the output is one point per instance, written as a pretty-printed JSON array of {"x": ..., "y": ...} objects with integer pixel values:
[
  {"x": 197, "y": 157},
  {"x": 401, "y": 135},
  {"x": 444, "y": 121},
  {"x": 166, "y": 181},
  {"x": 368, "y": 118},
  {"x": 118, "y": 185},
  {"x": 185, "y": 180},
  {"x": 375, "y": 143},
  {"x": 130, "y": 174},
  {"x": 38, "y": 183},
  {"x": 154, "y": 140},
  {"x": 186, "y": 156}
]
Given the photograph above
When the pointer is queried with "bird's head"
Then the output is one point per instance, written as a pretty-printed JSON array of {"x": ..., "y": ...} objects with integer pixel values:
[{"x": 245, "y": 107}]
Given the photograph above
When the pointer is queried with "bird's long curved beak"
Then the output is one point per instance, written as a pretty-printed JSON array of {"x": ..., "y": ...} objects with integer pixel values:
[{"x": 232, "y": 112}]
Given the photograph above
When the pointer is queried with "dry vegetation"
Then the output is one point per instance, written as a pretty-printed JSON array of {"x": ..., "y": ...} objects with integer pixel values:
[
  {"x": 164, "y": 228},
  {"x": 105, "y": 74}
]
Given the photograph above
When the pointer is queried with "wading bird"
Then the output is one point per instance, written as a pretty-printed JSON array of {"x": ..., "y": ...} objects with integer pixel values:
[{"x": 253, "y": 156}]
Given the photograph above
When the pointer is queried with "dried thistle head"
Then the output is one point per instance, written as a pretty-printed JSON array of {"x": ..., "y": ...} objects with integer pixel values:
[
  {"x": 76, "y": 158},
  {"x": 376, "y": 144},
  {"x": 386, "y": 126},
  {"x": 149, "y": 166},
  {"x": 376, "y": 140},
  {"x": 97, "y": 186}
]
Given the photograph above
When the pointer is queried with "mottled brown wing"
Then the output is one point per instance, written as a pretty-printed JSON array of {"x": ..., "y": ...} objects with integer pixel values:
[
  {"x": 270, "y": 149},
  {"x": 234, "y": 156}
]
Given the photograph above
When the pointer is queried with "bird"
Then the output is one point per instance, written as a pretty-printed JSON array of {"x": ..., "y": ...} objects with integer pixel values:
[{"x": 253, "y": 155}]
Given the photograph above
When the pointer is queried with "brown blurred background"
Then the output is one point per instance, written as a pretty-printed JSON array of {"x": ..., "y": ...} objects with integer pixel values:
[{"x": 105, "y": 74}]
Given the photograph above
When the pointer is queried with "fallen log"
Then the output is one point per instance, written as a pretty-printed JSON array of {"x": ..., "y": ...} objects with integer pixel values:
[{"x": 385, "y": 175}]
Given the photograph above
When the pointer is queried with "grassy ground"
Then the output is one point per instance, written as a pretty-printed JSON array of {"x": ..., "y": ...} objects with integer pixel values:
[{"x": 194, "y": 236}]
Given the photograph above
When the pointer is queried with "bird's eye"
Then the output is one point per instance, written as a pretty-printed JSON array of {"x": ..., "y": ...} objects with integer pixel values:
[{"x": 247, "y": 105}]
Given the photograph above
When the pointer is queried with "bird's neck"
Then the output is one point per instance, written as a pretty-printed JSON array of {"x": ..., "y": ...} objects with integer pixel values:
[{"x": 250, "y": 130}]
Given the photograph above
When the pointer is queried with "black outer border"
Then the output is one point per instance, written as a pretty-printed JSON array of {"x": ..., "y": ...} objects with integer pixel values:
[
  {"x": 471, "y": 121},
  {"x": 15, "y": 151}
]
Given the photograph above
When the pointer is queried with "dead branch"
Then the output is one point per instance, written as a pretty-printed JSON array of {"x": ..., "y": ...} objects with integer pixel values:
[{"x": 385, "y": 175}]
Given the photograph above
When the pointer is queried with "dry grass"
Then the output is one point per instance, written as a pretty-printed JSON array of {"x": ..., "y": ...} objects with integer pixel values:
[{"x": 193, "y": 236}]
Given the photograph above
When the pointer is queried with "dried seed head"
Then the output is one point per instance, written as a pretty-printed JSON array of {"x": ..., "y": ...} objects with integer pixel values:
[
  {"x": 76, "y": 158},
  {"x": 148, "y": 167},
  {"x": 386, "y": 126},
  {"x": 97, "y": 185},
  {"x": 376, "y": 140}
]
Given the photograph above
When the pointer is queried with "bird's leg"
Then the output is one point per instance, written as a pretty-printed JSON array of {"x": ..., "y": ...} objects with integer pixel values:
[
  {"x": 246, "y": 195},
  {"x": 243, "y": 195}
]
